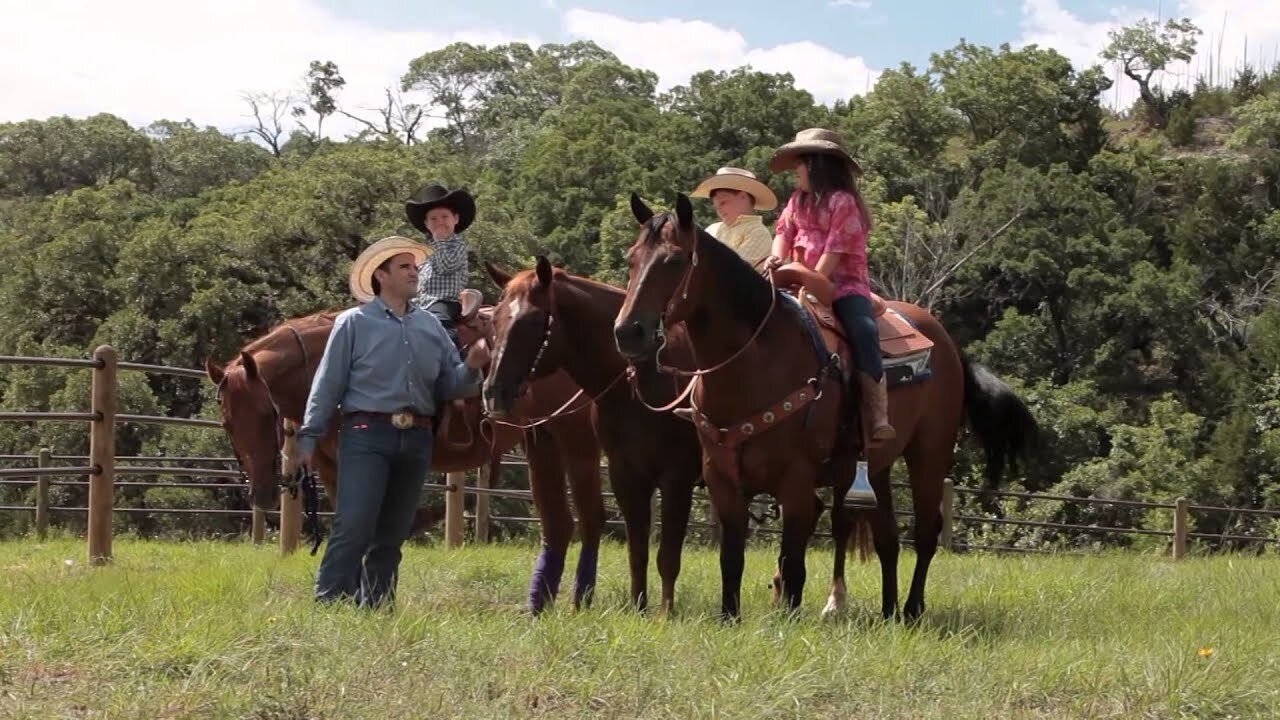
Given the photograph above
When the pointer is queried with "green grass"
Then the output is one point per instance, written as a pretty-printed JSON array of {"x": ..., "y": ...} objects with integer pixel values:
[{"x": 228, "y": 630}]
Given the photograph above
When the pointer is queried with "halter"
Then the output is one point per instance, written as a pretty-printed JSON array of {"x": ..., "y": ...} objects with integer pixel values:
[
  {"x": 277, "y": 469},
  {"x": 682, "y": 291}
]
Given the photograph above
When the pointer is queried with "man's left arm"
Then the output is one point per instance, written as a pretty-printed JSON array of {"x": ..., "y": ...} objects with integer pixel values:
[{"x": 455, "y": 379}]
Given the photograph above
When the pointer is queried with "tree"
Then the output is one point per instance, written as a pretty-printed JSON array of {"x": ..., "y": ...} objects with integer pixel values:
[
  {"x": 1146, "y": 48},
  {"x": 323, "y": 79},
  {"x": 269, "y": 110}
]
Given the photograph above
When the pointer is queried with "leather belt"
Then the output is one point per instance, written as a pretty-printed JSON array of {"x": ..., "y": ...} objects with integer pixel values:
[{"x": 402, "y": 420}]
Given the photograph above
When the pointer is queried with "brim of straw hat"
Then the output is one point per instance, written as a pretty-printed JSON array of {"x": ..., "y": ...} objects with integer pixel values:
[
  {"x": 784, "y": 158},
  {"x": 765, "y": 199},
  {"x": 361, "y": 280}
]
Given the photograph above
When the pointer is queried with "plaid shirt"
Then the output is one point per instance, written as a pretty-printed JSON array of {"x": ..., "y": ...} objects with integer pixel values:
[{"x": 445, "y": 273}]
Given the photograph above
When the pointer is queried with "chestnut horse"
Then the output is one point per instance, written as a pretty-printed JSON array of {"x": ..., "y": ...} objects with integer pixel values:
[
  {"x": 271, "y": 378},
  {"x": 769, "y": 403},
  {"x": 549, "y": 320}
]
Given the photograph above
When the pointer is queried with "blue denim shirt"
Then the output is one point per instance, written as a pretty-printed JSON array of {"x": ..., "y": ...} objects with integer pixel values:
[{"x": 377, "y": 362}]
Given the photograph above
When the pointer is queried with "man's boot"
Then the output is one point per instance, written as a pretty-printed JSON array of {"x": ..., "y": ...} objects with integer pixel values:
[{"x": 875, "y": 398}]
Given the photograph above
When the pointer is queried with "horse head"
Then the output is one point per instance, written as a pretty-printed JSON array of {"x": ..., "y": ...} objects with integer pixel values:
[
  {"x": 525, "y": 344},
  {"x": 253, "y": 424},
  {"x": 661, "y": 276}
]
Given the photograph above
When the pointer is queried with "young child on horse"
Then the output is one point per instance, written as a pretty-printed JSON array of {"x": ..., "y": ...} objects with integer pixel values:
[
  {"x": 824, "y": 227},
  {"x": 735, "y": 193},
  {"x": 443, "y": 215}
]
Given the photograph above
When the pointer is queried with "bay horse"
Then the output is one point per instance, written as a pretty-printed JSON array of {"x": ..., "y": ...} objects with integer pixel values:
[
  {"x": 270, "y": 378},
  {"x": 549, "y": 320},
  {"x": 769, "y": 405}
]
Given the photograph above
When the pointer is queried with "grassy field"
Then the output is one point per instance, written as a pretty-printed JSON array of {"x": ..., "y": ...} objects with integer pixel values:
[{"x": 228, "y": 630}]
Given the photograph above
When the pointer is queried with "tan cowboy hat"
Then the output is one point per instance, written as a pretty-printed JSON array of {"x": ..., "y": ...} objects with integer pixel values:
[
  {"x": 731, "y": 178},
  {"x": 812, "y": 141},
  {"x": 362, "y": 269}
]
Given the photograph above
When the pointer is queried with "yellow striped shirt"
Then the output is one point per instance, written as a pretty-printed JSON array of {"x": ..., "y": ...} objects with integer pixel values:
[{"x": 747, "y": 236}]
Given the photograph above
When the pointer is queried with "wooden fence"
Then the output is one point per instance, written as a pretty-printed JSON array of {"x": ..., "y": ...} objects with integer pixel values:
[{"x": 103, "y": 467}]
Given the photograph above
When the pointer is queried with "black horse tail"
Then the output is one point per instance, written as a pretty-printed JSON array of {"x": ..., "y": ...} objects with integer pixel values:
[{"x": 1002, "y": 422}]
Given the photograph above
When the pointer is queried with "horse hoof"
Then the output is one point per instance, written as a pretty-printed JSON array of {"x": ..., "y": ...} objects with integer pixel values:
[{"x": 832, "y": 609}]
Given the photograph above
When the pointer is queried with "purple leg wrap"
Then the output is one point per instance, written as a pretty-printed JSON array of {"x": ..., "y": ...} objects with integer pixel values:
[
  {"x": 585, "y": 582},
  {"x": 545, "y": 584}
]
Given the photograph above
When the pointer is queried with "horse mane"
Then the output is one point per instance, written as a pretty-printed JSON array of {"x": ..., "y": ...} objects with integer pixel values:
[
  {"x": 746, "y": 290},
  {"x": 298, "y": 323}
]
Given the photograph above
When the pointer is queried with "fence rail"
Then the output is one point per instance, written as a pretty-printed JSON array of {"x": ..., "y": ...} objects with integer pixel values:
[{"x": 102, "y": 466}]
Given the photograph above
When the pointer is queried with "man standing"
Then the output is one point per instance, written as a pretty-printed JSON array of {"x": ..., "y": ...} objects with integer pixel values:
[{"x": 391, "y": 368}]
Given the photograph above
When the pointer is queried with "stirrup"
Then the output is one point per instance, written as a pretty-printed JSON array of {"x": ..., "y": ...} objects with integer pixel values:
[{"x": 861, "y": 493}]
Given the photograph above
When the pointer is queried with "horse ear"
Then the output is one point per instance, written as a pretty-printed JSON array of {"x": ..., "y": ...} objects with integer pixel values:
[
  {"x": 250, "y": 365},
  {"x": 544, "y": 270},
  {"x": 640, "y": 210},
  {"x": 684, "y": 211},
  {"x": 214, "y": 371},
  {"x": 499, "y": 276}
]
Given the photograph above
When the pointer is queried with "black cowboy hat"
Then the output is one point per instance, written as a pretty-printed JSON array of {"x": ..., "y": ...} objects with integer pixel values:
[{"x": 436, "y": 195}]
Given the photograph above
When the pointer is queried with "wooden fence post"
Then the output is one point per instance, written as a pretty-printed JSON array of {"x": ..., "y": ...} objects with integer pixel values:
[
  {"x": 102, "y": 455},
  {"x": 290, "y": 504},
  {"x": 948, "y": 512},
  {"x": 455, "y": 499},
  {"x": 42, "y": 495},
  {"x": 483, "y": 482},
  {"x": 1179, "y": 528}
]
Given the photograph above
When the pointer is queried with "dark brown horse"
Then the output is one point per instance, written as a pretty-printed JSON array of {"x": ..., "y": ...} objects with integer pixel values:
[
  {"x": 549, "y": 320},
  {"x": 769, "y": 402},
  {"x": 271, "y": 378}
]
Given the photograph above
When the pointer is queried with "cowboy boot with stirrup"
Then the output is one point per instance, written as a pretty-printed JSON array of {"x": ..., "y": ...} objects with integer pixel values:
[{"x": 875, "y": 398}]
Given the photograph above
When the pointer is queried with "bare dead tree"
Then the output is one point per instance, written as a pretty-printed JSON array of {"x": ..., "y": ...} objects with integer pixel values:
[
  {"x": 1231, "y": 320},
  {"x": 269, "y": 111},
  {"x": 928, "y": 253},
  {"x": 397, "y": 119}
]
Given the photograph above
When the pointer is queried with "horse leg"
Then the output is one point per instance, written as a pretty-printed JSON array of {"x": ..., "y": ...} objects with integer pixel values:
[
  {"x": 885, "y": 531},
  {"x": 927, "y": 468},
  {"x": 677, "y": 498},
  {"x": 799, "y": 518},
  {"x": 633, "y": 496},
  {"x": 546, "y": 484},
  {"x": 840, "y": 527},
  {"x": 584, "y": 478},
  {"x": 730, "y": 506}
]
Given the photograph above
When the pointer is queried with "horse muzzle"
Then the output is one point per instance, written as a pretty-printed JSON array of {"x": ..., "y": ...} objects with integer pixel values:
[{"x": 638, "y": 338}]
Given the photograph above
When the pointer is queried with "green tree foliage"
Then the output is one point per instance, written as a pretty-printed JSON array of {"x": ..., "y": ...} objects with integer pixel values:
[{"x": 1130, "y": 289}]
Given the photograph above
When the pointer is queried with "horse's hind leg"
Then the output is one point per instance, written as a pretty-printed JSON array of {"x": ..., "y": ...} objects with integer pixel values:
[
  {"x": 928, "y": 468},
  {"x": 546, "y": 484}
]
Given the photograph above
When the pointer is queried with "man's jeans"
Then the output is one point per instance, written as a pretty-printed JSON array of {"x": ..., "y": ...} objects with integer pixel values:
[{"x": 381, "y": 471}]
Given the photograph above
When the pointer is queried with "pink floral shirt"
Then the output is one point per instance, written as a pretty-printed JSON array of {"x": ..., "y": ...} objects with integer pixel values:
[{"x": 834, "y": 226}]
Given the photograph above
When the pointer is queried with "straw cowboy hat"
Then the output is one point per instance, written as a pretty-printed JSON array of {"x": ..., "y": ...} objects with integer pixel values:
[
  {"x": 809, "y": 142},
  {"x": 436, "y": 195},
  {"x": 731, "y": 178},
  {"x": 362, "y": 269}
]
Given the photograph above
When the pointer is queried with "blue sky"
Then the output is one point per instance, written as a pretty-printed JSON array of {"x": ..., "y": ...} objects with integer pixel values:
[{"x": 149, "y": 59}]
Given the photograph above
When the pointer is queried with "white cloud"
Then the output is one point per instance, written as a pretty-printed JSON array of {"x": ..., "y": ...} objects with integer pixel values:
[
  {"x": 675, "y": 49},
  {"x": 1227, "y": 25},
  {"x": 150, "y": 59},
  {"x": 857, "y": 4}
]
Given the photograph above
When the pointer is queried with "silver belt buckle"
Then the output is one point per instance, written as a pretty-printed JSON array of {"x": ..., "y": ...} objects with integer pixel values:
[{"x": 402, "y": 420}]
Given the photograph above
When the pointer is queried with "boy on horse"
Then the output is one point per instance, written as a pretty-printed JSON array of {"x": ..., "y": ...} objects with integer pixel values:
[
  {"x": 735, "y": 193},
  {"x": 824, "y": 227},
  {"x": 391, "y": 368},
  {"x": 443, "y": 215}
]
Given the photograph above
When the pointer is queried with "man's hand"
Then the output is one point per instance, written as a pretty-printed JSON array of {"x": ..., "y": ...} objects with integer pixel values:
[
  {"x": 478, "y": 355},
  {"x": 304, "y": 461}
]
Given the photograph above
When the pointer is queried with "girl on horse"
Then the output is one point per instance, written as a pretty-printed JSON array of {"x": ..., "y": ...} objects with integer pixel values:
[{"x": 824, "y": 227}]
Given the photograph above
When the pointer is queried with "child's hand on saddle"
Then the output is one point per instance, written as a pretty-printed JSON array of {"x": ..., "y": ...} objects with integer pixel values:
[
  {"x": 478, "y": 355},
  {"x": 773, "y": 262}
]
